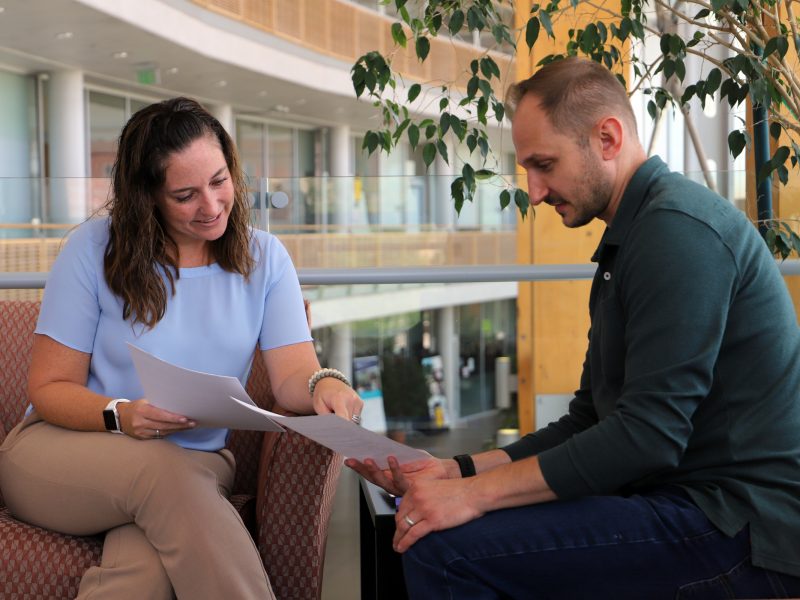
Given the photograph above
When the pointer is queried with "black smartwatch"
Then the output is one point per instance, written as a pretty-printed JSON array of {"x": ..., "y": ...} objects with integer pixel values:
[
  {"x": 465, "y": 464},
  {"x": 111, "y": 415}
]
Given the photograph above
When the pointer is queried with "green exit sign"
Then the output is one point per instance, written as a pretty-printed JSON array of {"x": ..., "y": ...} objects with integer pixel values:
[{"x": 148, "y": 76}]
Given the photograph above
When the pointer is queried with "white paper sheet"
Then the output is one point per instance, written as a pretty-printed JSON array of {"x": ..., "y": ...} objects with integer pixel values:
[
  {"x": 221, "y": 401},
  {"x": 203, "y": 397},
  {"x": 349, "y": 439}
]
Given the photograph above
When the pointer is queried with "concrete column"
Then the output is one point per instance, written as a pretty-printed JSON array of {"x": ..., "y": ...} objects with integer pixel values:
[
  {"x": 443, "y": 213},
  {"x": 224, "y": 114},
  {"x": 447, "y": 344},
  {"x": 342, "y": 174},
  {"x": 66, "y": 124},
  {"x": 16, "y": 147},
  {"x": 341, "y": 356}
]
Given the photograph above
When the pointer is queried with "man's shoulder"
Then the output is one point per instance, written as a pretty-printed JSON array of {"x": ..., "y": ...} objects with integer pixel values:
[{"x": 674, "y": 197}]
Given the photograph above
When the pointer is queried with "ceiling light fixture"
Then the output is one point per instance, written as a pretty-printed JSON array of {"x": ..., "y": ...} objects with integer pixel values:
[
  {"x": 172, "y": 70},
  {"x": 221, "y": 83},
  {"x": 281, "y": 108},
  {"x": 119, "y": 55},
  {"x": 64, "y": 35}
]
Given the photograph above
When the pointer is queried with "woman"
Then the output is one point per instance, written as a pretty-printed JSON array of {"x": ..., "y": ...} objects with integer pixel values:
[{"x": 176, "y": 270}]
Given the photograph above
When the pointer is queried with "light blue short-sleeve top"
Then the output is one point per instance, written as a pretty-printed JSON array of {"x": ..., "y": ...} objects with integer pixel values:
[{"x": 212, "y": 323}]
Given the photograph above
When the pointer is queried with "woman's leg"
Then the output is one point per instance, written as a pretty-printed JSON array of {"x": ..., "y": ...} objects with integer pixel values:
[
  {"x": 128, "y": 558},
  {"x": 85, "y": 483},
  {"x": 644, "y": 546}
]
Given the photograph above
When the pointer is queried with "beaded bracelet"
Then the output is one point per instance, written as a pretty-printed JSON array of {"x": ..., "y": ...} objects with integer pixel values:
[{"x": 322, "y": 374}]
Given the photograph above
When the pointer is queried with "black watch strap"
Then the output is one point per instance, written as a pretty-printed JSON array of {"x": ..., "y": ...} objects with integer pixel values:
[{"x": 466, "y": 464}]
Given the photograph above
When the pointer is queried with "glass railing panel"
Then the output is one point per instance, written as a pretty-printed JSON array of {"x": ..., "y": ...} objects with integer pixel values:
[{"x": 425, "y": 361}]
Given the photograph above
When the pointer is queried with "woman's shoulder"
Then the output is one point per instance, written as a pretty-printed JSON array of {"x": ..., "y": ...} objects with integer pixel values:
[
  {"x": 265, "y": 244},
  {"x": 93, "y": 231}
]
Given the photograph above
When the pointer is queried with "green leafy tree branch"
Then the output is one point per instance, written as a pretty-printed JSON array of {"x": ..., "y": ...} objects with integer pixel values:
[{"x": 748, "y": 49}]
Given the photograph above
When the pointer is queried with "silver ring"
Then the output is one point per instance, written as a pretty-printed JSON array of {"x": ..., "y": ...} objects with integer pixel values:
[
  {"x": 158, "y": 434},
  {"x": 411, "y": 522},
  {"x": 356, "y": 419}
]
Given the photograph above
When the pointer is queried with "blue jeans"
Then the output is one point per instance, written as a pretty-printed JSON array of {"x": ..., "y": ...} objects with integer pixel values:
[{"x": 657, "y": 545}]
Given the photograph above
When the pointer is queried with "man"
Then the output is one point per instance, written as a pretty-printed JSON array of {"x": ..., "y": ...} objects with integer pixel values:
[{"x": 676, "y": 472}]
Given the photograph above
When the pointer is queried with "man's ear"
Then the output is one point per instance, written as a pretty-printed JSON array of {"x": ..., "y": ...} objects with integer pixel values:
[{"x": 611, "y": 134}]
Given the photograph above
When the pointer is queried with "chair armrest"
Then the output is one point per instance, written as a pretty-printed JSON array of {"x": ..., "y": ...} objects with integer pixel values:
[{"x": 297, "y": 483}]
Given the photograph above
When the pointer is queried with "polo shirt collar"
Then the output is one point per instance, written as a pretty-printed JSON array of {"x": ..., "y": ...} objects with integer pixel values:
[{"x": 633, "y": 198}]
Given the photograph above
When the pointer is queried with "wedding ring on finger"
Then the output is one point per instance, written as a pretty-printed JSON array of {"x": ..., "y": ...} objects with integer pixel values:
[
  {"x": 409, "y": 521},
  {"x": 356, "y": 419},
  {"x": 158, "y": 434}
]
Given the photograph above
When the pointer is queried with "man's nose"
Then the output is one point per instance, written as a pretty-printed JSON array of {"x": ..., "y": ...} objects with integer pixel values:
[{"x": 536, "y": 191}]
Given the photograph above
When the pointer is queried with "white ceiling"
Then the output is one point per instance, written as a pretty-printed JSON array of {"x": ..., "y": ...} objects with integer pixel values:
[{"x": 264, "y": 75}]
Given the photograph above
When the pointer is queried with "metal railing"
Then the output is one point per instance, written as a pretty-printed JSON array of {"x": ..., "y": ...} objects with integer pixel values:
[{"x": 466, "y": 274}]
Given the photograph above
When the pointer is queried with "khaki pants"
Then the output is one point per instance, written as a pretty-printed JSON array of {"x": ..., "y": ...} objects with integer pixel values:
[{"x": 170, "y": 526}]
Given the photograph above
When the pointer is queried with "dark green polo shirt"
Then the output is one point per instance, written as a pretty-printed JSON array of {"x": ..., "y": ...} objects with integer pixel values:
[{"x": 692, "y": 375}]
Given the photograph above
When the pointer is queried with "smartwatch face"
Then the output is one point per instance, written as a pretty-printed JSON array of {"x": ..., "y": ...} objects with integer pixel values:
[{"x": 109, "y": 420}]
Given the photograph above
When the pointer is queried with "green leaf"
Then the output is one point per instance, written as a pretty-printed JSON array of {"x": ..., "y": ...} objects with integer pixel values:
[
  {"x": 428, "y": 154},
  {"x": 680, "y": 69},
  {"x": 413, "y": 136},
  {"x": 468, "y": 173},
  {"x": 457, "y": 193},
  {"x": 713, "y": 80},
  {"x": 398, "y": 35},
  {"x": 544, "y": 18},
  {"x": 522, "y": 201},
  {"x": 775, "y": 130},
  {"x": 475, "y": 18},
  {"x": 779, "y": 44},
  {"x": 442, "y": 147},
  {"x": 486, "y": 88},
  {"x": 473, "y": 66},
  {"x": 652, "y": 109},
  {"x": 472, "y": 142},
  {"x": 423, "y": 47},
  {"x": 483, "y": 144},
  {"x": 532, "y": 32},
  {"x": 737, "y": 141},
  {"x": 499, "y": 111},
  {"x": 472, "y": 86},
  {"x": 456, "y": 21},
  {"x": 413, "y": 92},
  {"x": 444, "y": 123},
  {"x": 486, "y": 68},
  {"x": 399, "y": 131},
  {"x": 505, "y": 199},
  {"x": 430, "y": 131},
  {"x": 458, "y": 127},
  {"x": 484, "y": 174},
  {"x": 370, "y": 141},
  {"x": 702, "y": 13}
]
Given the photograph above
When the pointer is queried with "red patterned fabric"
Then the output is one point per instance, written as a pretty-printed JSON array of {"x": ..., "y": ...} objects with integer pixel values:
[
  {"x": 283, "y": 489},
  {"x": 17, "y": 322},
  {"x": 293, "y": 511},
  {"x": 39, "y": 564}
]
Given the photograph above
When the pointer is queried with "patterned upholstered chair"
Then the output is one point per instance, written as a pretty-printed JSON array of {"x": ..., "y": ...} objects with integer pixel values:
[{"x": 284, "y": 490}]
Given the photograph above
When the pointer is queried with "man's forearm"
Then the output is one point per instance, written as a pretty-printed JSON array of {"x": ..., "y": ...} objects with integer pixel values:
[
  {"x": 510, "y": 484},
  {"x": 499, "y": 483}
]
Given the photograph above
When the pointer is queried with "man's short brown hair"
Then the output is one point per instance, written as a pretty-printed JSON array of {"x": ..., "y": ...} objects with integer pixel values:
[{"x": 574, "y": 93}]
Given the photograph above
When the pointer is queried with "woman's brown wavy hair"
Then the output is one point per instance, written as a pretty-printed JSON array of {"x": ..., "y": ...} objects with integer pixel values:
[{"x": 141, "y": 257}]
